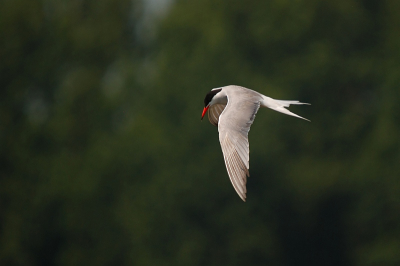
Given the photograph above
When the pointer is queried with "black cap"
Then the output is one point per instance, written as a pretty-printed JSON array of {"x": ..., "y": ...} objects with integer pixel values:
[{"x": 210, "y": 95}]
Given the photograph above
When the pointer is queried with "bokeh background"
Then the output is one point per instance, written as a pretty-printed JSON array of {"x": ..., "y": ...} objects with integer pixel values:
[{"x": 104, "y": 160}]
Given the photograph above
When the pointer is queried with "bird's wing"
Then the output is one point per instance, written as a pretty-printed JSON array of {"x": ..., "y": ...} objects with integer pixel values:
[
  {"x": 234, "y": 126},
  {"x": 214, "y": 112}
]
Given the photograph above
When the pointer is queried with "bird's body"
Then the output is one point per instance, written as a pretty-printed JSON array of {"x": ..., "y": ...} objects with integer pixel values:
[{"x": 233, "y": 109}]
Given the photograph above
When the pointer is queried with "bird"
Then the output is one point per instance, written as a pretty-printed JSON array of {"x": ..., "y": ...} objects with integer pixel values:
[{"x": 233, "y": 109}]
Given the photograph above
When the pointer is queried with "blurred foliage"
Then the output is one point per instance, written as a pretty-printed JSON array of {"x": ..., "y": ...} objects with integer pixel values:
[{"x": 104, "y": 160}]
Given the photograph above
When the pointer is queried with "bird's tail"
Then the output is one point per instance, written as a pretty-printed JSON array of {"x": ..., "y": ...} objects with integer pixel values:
[{"x": 279, "y": 106}]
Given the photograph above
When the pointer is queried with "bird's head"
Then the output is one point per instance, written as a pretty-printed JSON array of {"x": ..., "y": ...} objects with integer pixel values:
[{"x": 210, "y": 99}]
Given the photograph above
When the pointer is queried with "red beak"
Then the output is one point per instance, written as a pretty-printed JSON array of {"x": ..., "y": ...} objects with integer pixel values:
[{"x": 204, "y": 111}]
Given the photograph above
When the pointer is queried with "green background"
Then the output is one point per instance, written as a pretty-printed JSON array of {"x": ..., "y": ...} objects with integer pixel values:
[{"x": 104, "y": 160}]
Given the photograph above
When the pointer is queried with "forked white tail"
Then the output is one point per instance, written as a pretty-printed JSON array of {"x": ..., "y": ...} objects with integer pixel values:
[{"x": 279, "y": 106}]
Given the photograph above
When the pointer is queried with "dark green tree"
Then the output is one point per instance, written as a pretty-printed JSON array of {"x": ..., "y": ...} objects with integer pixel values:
[{"x": 104, "y": 160}]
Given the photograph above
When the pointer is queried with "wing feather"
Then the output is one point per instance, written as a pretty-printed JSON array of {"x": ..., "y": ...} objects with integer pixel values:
[
  {"x": 214, "y": 112},
  {"x": 235, "y": 169},
  {"x": 234, "y": 125}
]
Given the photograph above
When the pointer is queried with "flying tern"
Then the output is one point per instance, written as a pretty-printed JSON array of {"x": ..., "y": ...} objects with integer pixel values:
[{"x": 233, "y": 109}]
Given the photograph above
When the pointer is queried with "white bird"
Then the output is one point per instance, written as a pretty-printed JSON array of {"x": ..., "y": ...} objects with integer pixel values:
[{"x": 233, "y": 109}]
